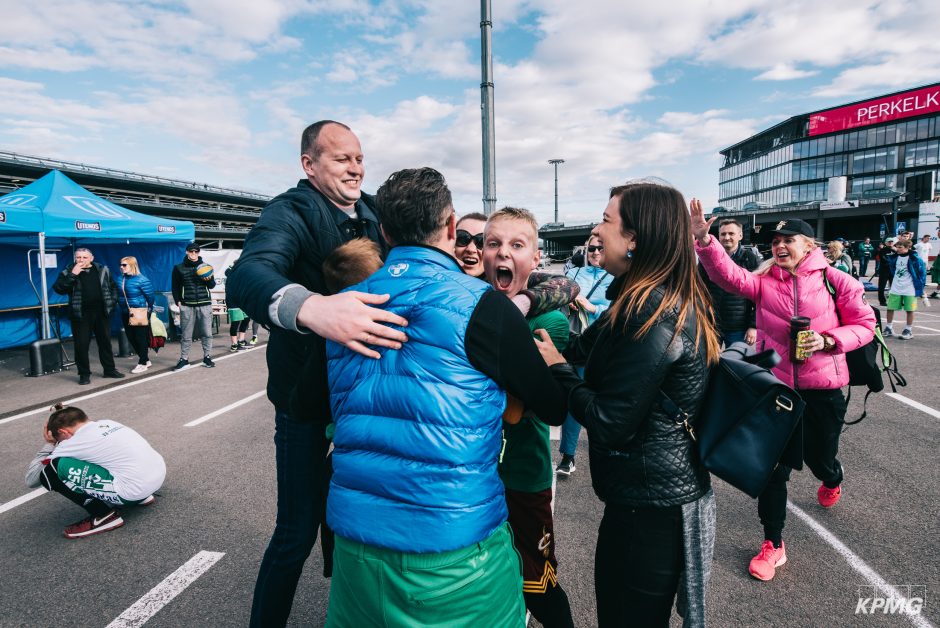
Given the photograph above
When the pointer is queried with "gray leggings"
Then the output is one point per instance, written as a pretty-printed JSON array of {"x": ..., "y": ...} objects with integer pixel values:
[{"x": 199, "y": 319}]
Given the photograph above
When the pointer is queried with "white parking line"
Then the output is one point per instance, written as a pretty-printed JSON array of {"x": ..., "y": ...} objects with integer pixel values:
[
  {"x": 855, "y": 562},
  {"x": 927, "y": 328},
  {"x": 230, "y": 406},
  {"x": 915, "y": 404},
  {"x": 135, "y": 382},
  {"x": 150, "y": 604},
  {"x": 22, "y": 499}
]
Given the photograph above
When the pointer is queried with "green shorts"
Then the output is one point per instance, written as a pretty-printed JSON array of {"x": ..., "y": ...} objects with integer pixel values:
[
  {"x": 236, "y": 315},
  {"x": 476, "y": 586},
  {"x": 90, "y": 479},
  {"x": 904, "y": 302}
]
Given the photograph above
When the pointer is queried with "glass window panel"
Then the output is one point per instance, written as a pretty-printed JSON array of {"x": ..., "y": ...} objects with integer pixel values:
[
  {"x": 853, "y": 140},
  {"x": 922, "y": 129},
  {"x": 880, "y": 136},
  {"x": 830, "y": 144}
]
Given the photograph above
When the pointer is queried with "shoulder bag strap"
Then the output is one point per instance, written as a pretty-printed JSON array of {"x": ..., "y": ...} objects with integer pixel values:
[
  {"x": 123, "y": 281},
  {"x": 596, "y": 284}
]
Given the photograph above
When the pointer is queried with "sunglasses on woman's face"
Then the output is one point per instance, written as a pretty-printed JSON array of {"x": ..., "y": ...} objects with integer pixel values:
[
  {"x": 595, "y": 249},
  {"x": 123, "y": 265},
  {"x": 465, "y": 237}
]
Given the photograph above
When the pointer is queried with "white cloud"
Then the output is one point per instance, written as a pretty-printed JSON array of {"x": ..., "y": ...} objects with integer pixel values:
[{"x": 784, "y": 72}]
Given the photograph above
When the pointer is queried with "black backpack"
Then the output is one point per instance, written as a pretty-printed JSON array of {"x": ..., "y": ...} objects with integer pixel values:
[{"x": 864, "y": 369}]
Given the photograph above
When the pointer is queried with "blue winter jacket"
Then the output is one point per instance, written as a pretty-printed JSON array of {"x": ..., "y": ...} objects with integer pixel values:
[
  {"x": 419, "y": 431},
  {"x": 915, "y": 266},
  {"x": 587, "y": 278},
  {"x": 138, "y": 289}
]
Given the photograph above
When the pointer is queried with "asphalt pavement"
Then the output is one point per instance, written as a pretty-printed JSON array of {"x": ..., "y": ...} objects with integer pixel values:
[{"x": 191, "y": 558}]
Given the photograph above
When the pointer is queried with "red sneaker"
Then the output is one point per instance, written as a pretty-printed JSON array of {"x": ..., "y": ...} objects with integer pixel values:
[
  {"x": 94, "y": 525},
  {"x": 764, "y": 565},
  {"x": 829, "y": 497}
]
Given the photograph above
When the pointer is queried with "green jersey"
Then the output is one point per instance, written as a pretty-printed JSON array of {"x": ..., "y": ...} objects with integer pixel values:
[{"x": 527, "y": 460}]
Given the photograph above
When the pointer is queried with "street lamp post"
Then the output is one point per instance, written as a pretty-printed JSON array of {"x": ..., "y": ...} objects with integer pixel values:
[{"x": 555, "y": 163}]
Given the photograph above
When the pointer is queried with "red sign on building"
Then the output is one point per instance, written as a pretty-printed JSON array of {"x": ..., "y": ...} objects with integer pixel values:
[{"x": 905, "y": 105}]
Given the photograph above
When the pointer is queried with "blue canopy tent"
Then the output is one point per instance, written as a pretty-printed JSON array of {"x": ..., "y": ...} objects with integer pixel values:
[{"x": 40, "y": 226}]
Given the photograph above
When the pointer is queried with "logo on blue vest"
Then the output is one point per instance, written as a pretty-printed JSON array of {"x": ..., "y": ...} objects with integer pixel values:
[{"x": 397, "y": 270}]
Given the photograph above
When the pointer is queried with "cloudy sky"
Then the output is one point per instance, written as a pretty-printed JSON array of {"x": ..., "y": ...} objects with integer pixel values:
[{"x": 217, "y": 91}]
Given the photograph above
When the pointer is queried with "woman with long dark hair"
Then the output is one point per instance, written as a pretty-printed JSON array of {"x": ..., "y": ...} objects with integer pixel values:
[
  {"x": 657, "y": 336},
  {"x": 135, "y": 291}
]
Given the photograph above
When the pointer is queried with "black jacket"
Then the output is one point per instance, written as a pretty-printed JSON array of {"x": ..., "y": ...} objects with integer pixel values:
[
  {"x": 67, "y": 283},
  {"x": 733, "y": 312},
  {"x": 287, "y": 245},
  {"x": 188, "y": 288},
  {"x": 639, "y": 457}
]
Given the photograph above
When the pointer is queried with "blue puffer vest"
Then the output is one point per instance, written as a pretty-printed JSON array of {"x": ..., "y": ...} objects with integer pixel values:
[{"x": 418, "y": 432}]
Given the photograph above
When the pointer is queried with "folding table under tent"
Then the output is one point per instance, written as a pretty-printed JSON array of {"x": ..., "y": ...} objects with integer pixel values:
[{"x": 42, "y": 224}]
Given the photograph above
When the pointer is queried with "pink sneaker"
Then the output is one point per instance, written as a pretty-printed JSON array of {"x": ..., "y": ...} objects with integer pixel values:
[
  {"x": 764, "y": 565},
  {"x": 829, "y": 497}
]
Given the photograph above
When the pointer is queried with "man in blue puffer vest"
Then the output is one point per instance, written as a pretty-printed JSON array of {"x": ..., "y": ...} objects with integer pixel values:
[{"x": 416, "y": 501}]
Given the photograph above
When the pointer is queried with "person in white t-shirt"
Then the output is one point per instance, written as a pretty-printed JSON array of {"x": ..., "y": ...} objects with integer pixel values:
[
  {"x": 98, "y": 465},
  {"x": 923, "y": 247}
]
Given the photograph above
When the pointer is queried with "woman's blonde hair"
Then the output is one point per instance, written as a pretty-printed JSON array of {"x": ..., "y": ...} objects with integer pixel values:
[
  {"x": 132, "y": 267},
  {"x": 765, "y": 267},
  {"x": 664, "y": 258},
  {"x": 836, "y": 248}
]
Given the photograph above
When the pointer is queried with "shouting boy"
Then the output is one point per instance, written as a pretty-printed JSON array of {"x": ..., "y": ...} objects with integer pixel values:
[{"x": 510, "y": 254}]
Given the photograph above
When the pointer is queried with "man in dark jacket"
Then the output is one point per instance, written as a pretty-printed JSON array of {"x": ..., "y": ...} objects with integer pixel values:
[
  {"x": 92, "y": 296},
  {"x": 735, "y": 315},
  {"x": 191, "y": 295},
  {"x": 278, "y": 281}
]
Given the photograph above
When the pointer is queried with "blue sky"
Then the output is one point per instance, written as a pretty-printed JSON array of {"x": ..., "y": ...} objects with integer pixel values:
[{"x": 218, "y": 92}]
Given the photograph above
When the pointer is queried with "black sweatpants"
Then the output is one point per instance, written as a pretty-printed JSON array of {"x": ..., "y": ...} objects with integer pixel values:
[
  {"x": 97, "y": 322},
  {"x": 637, "y": 565},
  {"x": 822, "y": 426},
  {"x": 51, "y": 481}
]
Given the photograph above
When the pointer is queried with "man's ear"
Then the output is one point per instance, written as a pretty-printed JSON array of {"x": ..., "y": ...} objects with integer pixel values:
[
  {"x": 538, "y": 258},
  {"x": 452, "y": 226},
  {"x": 306, "y": 162},
  {"x": 388, "y": 240}
]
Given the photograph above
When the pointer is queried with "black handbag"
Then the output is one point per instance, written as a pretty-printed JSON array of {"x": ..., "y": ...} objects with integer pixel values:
[{"x": 746, "y": 419}]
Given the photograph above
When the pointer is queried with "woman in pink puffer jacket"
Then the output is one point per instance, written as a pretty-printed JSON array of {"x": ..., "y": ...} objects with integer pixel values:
[{"x": 791, "y": 284}]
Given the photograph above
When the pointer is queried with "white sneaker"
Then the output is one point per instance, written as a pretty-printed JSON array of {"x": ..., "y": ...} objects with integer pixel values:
[
  {"x": 887, "y": 332},
  {"x": 907, "y": 334},
  {"x": 140, "y": 368},
  {"x": 149, "y": 363}
]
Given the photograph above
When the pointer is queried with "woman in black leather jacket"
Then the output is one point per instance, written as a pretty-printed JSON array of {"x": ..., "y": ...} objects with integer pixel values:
[{"x": 658, "y": 335}]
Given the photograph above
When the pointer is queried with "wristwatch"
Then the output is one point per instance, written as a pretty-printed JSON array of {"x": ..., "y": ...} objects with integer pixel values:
[{"x": 828, "y": 343}]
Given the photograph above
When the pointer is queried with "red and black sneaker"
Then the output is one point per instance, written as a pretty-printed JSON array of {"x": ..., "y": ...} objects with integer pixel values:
[{"x": 94, "y": 525}]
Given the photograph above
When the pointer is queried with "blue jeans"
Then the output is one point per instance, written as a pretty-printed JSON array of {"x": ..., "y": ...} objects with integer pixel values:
[
  {"x": 732, "y": 337},
  {"x": 570, "y": 431},
  {"x": 300, "y": 450}
]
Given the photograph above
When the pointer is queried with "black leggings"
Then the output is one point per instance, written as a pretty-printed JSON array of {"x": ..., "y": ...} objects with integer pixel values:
[
  {"x": 239, "y": 327},
  {"x": 50, "y": 480},
  {"x": 637, "y": 565},
  {"x": 821, "y": 428},
  {"x": 139, "y": 337}
]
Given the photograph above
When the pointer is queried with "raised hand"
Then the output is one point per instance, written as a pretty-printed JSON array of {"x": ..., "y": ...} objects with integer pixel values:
[
  {"x": 700, "y": 226},
  {"x": 349, "y": 319}
]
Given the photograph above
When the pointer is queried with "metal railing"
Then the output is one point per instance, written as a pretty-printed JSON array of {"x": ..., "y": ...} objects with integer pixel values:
[{"x": 124, "y": 174}]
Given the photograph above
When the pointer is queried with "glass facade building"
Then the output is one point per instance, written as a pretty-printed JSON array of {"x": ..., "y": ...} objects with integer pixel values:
[{"x": 877, "y": 144}]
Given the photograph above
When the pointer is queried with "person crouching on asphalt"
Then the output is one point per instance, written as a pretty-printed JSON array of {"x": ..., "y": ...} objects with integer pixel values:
[
  {"x": 793, "y": 283},
  {"x": 98, "y": 465}
]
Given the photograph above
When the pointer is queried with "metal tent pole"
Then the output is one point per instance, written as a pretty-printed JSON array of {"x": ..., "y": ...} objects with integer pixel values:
[
  {"x": 487, "y": 109},
  {"x": 44, "y": 298}
]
